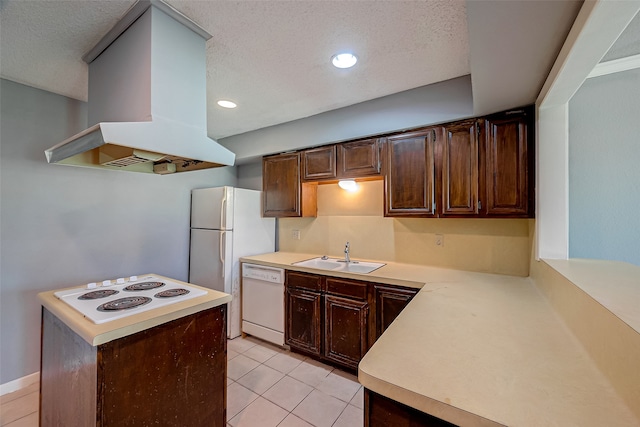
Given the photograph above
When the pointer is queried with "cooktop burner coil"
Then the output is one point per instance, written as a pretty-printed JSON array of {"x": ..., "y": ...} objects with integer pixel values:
[
  {"x": 170, "y": 293},
  {"x": 143, "y": 286},
  {"x": 102, "y": 293},
  {"x": 124, "y": 303}
]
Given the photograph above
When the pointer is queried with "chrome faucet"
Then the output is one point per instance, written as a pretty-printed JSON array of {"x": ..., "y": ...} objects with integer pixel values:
[{"x": 346, "y": 253}]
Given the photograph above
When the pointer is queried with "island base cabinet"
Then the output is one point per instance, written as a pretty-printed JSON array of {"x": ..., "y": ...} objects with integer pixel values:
[
  {"x": 380, "y": 411},
  {"x": 173, "y": 374}
]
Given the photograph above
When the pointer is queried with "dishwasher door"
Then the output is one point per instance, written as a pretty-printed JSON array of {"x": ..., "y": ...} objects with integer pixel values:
[{"x": 263, "y": 302}]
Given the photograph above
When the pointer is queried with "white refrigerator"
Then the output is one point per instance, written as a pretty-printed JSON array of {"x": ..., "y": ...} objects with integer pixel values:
[{"x": 226, "y": 224}]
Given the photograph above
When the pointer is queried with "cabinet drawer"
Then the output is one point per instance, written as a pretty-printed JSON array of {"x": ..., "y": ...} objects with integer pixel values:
[
  {"x": 296, "y": 279},
  {"x": 347, "y": 288}
]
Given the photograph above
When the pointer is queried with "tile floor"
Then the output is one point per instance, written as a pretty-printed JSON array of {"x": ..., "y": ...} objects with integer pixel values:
[{"x": 266, "y": 386}]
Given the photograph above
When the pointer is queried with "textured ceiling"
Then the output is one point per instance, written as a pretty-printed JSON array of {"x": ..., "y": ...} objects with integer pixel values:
[{"x": 271, "y": 57}]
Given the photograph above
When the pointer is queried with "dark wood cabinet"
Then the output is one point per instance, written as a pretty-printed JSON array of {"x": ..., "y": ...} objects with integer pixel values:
[
  {"x": 389, "y": 301},
  {"x": 346, "y": 320},
  {"x": 481, "y": 167},
  {"x": 303, "y": 313},
  {"x": 358, "y": 159},
  {"x": 345, "y": 330},
  {"x": 507, "y": 154},
  {"x": 459, "y": 163},
  {"x": 319, "y": 163},
  {"x": 409, "y": 174},
  {"x": 380, "y": 411},
  {"x": 337, "y": 319},
  {"x": 147, "y": 378},
  {"x": 284, "y": 194}
]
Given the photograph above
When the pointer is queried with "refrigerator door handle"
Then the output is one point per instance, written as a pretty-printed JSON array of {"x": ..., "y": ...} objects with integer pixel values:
[
  {"x": 222, "y": 249},
  {"x": 223, "y": 211}
]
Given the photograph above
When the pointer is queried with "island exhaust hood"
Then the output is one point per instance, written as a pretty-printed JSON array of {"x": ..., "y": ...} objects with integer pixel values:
[{"x": 147, "y": 98}]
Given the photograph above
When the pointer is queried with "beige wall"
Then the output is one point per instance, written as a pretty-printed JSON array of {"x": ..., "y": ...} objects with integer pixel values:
[{"x": 487, "y": 245}]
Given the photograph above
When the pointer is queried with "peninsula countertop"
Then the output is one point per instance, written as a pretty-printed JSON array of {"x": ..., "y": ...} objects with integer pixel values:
[
  {"x": 96, "y": 334},
  {"x": 480, "y": 349}
]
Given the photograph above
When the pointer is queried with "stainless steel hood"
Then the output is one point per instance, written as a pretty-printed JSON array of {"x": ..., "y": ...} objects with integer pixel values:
[{"x": 147, "y": 98}]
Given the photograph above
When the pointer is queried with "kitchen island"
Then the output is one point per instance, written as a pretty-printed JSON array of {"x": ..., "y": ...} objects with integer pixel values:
[
  {"x": 164, "y": 366},
  {"x": 479, "y": 349}
]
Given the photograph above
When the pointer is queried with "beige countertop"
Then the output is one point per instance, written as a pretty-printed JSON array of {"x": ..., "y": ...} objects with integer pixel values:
[
  {"x": 481, "y": 350},
  {"x": 96, "y": 334},
  {"x": 614, "y": 284}
]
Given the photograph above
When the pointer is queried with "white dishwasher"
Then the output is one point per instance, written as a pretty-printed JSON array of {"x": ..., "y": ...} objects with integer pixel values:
[{"x": 263, "y": 302}]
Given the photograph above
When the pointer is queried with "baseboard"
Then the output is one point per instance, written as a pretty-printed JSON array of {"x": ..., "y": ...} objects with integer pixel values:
[{"x": 19, "y": 383}]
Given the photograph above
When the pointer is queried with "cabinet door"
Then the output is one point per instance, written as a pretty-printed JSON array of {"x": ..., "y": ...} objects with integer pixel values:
[
  {"x": 284, "y": 195},
  {"x": 506, "y": 159},
  {"x": 319, "y": 163},
  {"x": 389, "y": 302},
  {"x": 303, "y": 313},
  {"x": 409, "y": 175},
  {"x": 345, "y": 330},
  {"x": 359, "y": 159},
  {"x": 459, "y": 184}
]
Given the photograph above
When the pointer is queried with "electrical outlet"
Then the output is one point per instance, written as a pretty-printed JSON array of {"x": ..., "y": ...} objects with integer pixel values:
[
  {"x": 439, "y": 239},
  {"x": 295, "y": 234}
]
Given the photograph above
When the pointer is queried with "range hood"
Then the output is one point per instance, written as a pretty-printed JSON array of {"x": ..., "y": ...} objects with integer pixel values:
[{"x": 147, "y": 98}]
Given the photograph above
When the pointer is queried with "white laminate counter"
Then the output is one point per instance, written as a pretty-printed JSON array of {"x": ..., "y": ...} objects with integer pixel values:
[
  {"x": 99, "y": 334},
  {"x": 480, "y": 350}
]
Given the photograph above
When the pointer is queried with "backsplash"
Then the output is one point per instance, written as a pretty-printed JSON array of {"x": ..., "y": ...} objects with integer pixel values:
[{"x": 500, "y": 246}]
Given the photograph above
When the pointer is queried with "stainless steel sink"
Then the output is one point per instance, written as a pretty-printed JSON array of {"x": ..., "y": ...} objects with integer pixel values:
[{"x": 336, "y": 264}]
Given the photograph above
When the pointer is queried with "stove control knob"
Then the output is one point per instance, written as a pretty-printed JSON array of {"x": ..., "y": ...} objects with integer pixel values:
[
  {"x": 133, "y": 278},
  {"x": 120, "y": 281},
  {"x": 92, "y": 285},
  {"x": 106, "y": 283}
]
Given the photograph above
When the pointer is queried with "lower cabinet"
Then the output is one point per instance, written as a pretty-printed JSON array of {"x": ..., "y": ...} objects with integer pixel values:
[
  {"x": 380, "y": 411},
  {"x": 389, "y": 302},
  {"x": 345, "y": 330},
  {"x": 303, "y": 311},
  {"x": 172, "y": 374},
  {"x": 336, "y": 319}
]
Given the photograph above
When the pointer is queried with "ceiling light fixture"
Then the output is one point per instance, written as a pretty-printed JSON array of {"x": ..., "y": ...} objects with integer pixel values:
[
  {"x": 344, "y": 60},
  {"x": 227, "y": 104},
  {"x": 348, "y": 184}
]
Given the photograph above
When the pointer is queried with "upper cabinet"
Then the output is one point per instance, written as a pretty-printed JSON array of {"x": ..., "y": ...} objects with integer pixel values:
[
  {"x": 507, "y": 153},
  {"x": 459, "y": 162},
  {"x": 356, "y": 159},
  {"x": 319, "y": 163},
  {"x": 284, "y": 195},
  {"x": 359, "y": 158},
  {"x": 409, "y": 174},
  {"x": 474, "y": 168}
]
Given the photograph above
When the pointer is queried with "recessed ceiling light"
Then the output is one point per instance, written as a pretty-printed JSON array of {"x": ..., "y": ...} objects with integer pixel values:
[
  {"x": 344, "y": 60},
  {"x": 227, "y": 104}
]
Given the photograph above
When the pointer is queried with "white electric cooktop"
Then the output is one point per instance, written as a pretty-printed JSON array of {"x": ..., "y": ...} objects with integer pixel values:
[{"x": 115, "y": 299}]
